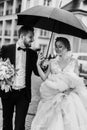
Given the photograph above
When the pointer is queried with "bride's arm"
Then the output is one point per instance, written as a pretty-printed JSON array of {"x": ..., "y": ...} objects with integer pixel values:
[{"x": 42, "y": 74}]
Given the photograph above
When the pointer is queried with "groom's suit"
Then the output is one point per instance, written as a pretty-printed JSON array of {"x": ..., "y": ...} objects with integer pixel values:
[{"x": 31, "y": 58}]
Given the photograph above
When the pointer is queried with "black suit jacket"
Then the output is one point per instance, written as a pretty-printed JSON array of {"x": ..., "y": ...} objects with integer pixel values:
[{"x": 9, "y": 51}]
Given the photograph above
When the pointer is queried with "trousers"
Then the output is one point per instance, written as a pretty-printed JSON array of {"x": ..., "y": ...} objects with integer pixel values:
[{"x": 14, "y": 102}]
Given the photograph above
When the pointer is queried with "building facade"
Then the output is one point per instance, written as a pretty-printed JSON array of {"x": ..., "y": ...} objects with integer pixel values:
[{"x": 8, "y": 21}]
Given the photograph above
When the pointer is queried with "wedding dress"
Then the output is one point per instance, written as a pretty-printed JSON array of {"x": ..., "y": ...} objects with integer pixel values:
[{"x": 63, "y": 104}]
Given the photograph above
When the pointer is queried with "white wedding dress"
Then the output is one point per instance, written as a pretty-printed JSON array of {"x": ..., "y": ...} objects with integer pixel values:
[{"x": 63, "y": 104}]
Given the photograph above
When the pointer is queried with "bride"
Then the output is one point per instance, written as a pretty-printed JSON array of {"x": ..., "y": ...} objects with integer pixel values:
[{"x": 63, "y": 93}]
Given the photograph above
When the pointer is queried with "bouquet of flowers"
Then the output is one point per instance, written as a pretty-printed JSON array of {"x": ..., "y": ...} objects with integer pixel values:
[{"x": 7, "y": 74}]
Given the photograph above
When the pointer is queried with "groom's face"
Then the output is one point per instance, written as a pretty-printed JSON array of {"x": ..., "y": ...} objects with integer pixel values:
[{"x": 28, "y": 38}]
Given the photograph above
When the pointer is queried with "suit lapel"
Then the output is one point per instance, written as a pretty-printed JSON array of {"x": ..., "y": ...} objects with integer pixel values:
[
  {"x": 27, "y": 58},
  {"x": 12, "y": 53}
]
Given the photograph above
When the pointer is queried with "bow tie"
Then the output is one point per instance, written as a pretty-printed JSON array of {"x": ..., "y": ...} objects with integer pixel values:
[{"x": 23, "y": 49}]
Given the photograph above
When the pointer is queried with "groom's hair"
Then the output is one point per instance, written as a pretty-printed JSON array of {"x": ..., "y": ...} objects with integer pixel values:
[
  {"x": 65, "y": 42},
  {"x": 25, "y": 30}
]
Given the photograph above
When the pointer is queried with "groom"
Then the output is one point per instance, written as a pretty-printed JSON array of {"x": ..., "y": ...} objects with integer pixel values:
[{"x": 24, "y": 59}]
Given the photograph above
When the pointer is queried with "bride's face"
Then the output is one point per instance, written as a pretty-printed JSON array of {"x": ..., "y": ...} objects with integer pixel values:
[{"x": 60, "y": 48}]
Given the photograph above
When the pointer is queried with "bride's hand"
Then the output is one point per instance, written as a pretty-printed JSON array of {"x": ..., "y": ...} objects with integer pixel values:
[{"x": 46, "y": 62}]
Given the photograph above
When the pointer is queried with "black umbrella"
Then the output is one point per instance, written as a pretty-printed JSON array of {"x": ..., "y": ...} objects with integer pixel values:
[{"x": 52, "y": 19}]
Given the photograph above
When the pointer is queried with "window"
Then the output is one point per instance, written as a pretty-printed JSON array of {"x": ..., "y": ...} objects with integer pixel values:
[
  {"x": 15, "y": 28},
  {"x": 9, "y": 7},
  {"x": 8, "y": 27},
  {"x": 44, "y": 33},
  {"x": 18, "y": 7},
  {"x": 1, "y": 8},
  {"x": 1, "y": 23},
  {"x": 82, "y": 58},
  {"x": 47, "y": 2}
]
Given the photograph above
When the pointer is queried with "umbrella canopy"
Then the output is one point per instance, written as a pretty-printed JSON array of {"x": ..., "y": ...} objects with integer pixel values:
[{"x": 52, "y": 19}]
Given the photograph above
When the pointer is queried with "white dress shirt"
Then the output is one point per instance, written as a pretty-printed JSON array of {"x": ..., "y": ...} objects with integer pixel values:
[{"x": 19, "y": 81}]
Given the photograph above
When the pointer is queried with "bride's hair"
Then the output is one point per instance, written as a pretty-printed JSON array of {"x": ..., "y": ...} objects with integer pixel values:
[{"x": 65, "y": 42}]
